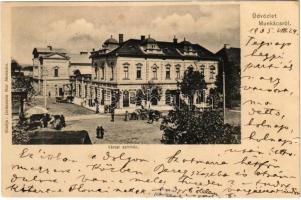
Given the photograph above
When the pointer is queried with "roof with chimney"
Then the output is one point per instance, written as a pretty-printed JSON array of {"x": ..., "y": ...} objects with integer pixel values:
[
  {"x": 49, "y": 50},
  {"x": 170, "y": 50}
]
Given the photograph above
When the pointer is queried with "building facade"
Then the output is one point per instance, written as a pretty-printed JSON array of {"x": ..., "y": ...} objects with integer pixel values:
[
  {"x": 52, "y": 68},
  {"x": 122, "y": 70}
]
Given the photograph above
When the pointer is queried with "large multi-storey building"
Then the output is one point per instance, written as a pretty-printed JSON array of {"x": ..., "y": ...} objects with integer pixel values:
[
  {"x": 128, "y": 66},
  {"x": 52, "y": 68}
]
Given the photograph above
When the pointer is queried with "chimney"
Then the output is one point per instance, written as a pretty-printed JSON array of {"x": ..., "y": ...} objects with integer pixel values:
[
  {"x": 226, "y": 46},
  {"x": 120, "y": 38},
  {"x": 142, "y": 37},
  {"x": 175, "y": 40},
  {"x": 93, "y": 49},
  {"x": 49, "y": 47}
]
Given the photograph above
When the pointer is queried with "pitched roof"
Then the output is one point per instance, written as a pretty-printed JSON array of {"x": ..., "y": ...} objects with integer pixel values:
[
  {"x": 48, "y": 50},
  {"x": 79, "y": 58},
  {"x": 232, "y": 54},
  {"x": 55, "y": 53},
  {"x": 133, "y": 48}
]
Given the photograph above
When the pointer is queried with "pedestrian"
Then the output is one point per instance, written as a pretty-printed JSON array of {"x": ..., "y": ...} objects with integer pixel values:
[
  {"x": 63, "y": 121},
  {"x": 97, "y": 108},
  {"x": 112, "y": 114},
  {"x": 102, "y": 132},
  {"x": 150, "y": 117},
  {"x": 126, "y": 116},
  {"x": 45, "y": 121},
  {"x": 98, "y": 132}
]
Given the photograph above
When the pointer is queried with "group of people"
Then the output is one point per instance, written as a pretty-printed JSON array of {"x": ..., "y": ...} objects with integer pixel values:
[
  {"x": 57, "y": 121},
  {"x": 100, "y": 132}
]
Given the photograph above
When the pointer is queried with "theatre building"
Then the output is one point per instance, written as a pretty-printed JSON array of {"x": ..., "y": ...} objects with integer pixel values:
[
  {"x": 126, "y": 67},
  {"x": 52, "y": 68}
]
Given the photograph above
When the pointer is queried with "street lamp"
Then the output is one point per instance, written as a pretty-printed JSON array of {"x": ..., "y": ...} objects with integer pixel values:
[
  {"x": 45, "y": 73},
  {"x": 224, "y": 89}
]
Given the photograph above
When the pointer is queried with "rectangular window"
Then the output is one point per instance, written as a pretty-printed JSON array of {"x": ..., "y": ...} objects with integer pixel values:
[
  {"x": 202, "y": 69},
  {"x": 178, "y": 72},
  {"x": 138, "y": 72},
  {"x": 56, "y": 72},
  {"x": 112, "y": 74},
  {"x": 126, "y": 72},
  {"x": 155, "y": 73},
  {"x": 212, "y": 72},
  {"x": 102, "y": 73},
  {"x": 167, "y": 73}
]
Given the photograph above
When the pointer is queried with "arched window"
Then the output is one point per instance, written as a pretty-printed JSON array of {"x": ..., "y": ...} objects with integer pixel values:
[
  {"x": 212, "y": 72},
  {"x": 139, "y": 97},
  {"x": 167, "y": 72},
  {"x": 178, "y": 71},
  {"x": 138, "y": 72}
]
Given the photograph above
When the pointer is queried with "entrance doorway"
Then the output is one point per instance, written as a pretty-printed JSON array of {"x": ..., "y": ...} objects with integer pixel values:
[
  {"x": 61, "y": 92},
  {"x": 126, "y": 99}
]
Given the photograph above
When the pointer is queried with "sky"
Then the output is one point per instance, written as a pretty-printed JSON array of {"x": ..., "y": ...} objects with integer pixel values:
[{"x": 82, "y": 28}]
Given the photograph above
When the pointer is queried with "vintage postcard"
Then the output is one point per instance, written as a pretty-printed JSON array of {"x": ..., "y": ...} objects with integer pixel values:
[{"x": 141, "y": 99}]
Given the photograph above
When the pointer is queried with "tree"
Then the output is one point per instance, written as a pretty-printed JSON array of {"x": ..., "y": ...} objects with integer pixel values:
[
  {"x": 115, "y": 97},
  {"x": 150, "y": 91},
  {"x": 215, "y": 97},
  {"x": 194, "y": 127},
  {"x": 193, "y": 81},
  {"x": 20, "y": 82}
]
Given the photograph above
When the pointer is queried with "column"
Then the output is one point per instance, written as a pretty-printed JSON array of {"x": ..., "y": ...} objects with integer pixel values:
[{"x": 82, "y": 88}]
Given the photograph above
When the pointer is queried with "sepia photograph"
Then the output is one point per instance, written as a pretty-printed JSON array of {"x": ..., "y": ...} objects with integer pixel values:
[{"x": 126, "y": 74}]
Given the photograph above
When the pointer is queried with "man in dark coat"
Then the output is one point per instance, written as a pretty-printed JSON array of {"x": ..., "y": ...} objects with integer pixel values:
[
  {"x": 102, "y": 132},
  {"x": 98, "y": 132},
  {"x": 112, "y": 114}
]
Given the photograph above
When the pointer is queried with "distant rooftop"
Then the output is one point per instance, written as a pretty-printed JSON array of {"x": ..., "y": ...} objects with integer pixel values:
[{"x": 82, "y": 58}]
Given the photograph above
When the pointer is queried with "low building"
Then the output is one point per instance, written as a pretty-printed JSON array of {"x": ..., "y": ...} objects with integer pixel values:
[{"x": 126, "y": 68}]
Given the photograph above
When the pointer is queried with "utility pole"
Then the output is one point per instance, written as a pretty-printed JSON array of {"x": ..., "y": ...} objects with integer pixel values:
[
  {"x": 44, "y": 71},
  {"x": 224, "y": 92}
]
